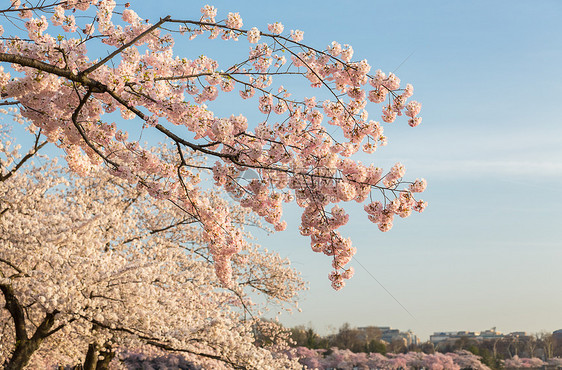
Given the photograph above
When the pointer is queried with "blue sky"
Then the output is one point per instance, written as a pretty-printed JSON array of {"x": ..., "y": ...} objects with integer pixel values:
[{"x": 487, "y": 251}]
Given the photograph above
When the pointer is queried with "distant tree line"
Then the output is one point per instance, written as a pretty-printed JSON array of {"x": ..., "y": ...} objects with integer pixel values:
[{"x": 353, "y": 339}]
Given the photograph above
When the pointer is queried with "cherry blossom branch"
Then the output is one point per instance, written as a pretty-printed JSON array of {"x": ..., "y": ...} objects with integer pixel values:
[
  {"x": 80, "y": 129},
  {"x": 98, "y": 87},
  {"x": 30, "y": 154},
  {"x": 125, "y": 46},
  {"x": 156, "y": 231},
  {"x": 24, "y": 61},
  {"x": 167, "y": 132},
  {"x": 43, "y": 331},
  {"x": 275, "y": 37},
  {"x": 60, "y": 327},
  {"x": 38, "y": 7},
  {"x": 8, "y": 262},
  {"x": 157, "y": 343},
  {"x": 203, "y": 74}
]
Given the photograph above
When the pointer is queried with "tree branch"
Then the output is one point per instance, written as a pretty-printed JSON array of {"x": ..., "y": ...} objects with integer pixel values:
[
  {"x": 119, "y": 50},
  {"x": 16, "y": 311},
  {"x": 24, "y": 61},
  {"x": 8, "y": 262},
  {"x": 31, "y": 153},
  {"x": 43, "y": 331},
  {"x": 80, "y": 129},
  {"x": 155, "y": 342}
]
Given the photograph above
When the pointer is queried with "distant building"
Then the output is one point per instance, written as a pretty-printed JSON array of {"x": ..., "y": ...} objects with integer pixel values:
[
  {"x": 411, "y": 338},
  {"x": 443, "y": 336},
  {"x": 452, "y": 336},
  {"x": 557, "y": 336},
  {"x": 493, "y": 334},
  {"x": 389, "y": 335}
]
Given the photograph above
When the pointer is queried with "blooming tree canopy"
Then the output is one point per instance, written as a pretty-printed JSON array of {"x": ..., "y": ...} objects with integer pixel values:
[
  {"x": 68, "y": 65},
  {"x": 89, "y": 265}
]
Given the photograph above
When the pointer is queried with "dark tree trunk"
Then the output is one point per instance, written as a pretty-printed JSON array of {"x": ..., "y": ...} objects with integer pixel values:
[
  {"x": 91, "y": 357},
  {"x": 22, "y": 354},
  {"x": 107, "y": 355},
  {"x": 25, "y": 347},
  {"x": 98, "y": 359}
]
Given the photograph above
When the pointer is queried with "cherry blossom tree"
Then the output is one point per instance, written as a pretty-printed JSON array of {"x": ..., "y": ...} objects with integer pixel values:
[
  {"x": 345, "y": 359},
  {"x": 467, "y": 360},
  {"x": 555, "y": 361},
  {"x": 520, "y": 363},
  {"x": 531, "y": 362},
  {"x": 68, "y": 65},
  {"x": 91, "y": 265}
]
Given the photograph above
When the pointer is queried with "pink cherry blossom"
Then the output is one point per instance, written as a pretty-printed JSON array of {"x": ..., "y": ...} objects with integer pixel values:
[
  {"x": 234, "y": 21},
  {"x": 253, "y": 35},
  {"x": 297, "y": 35},
  {"x": 275, "y": 28},
  {"x": 301, "y": 149}
]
